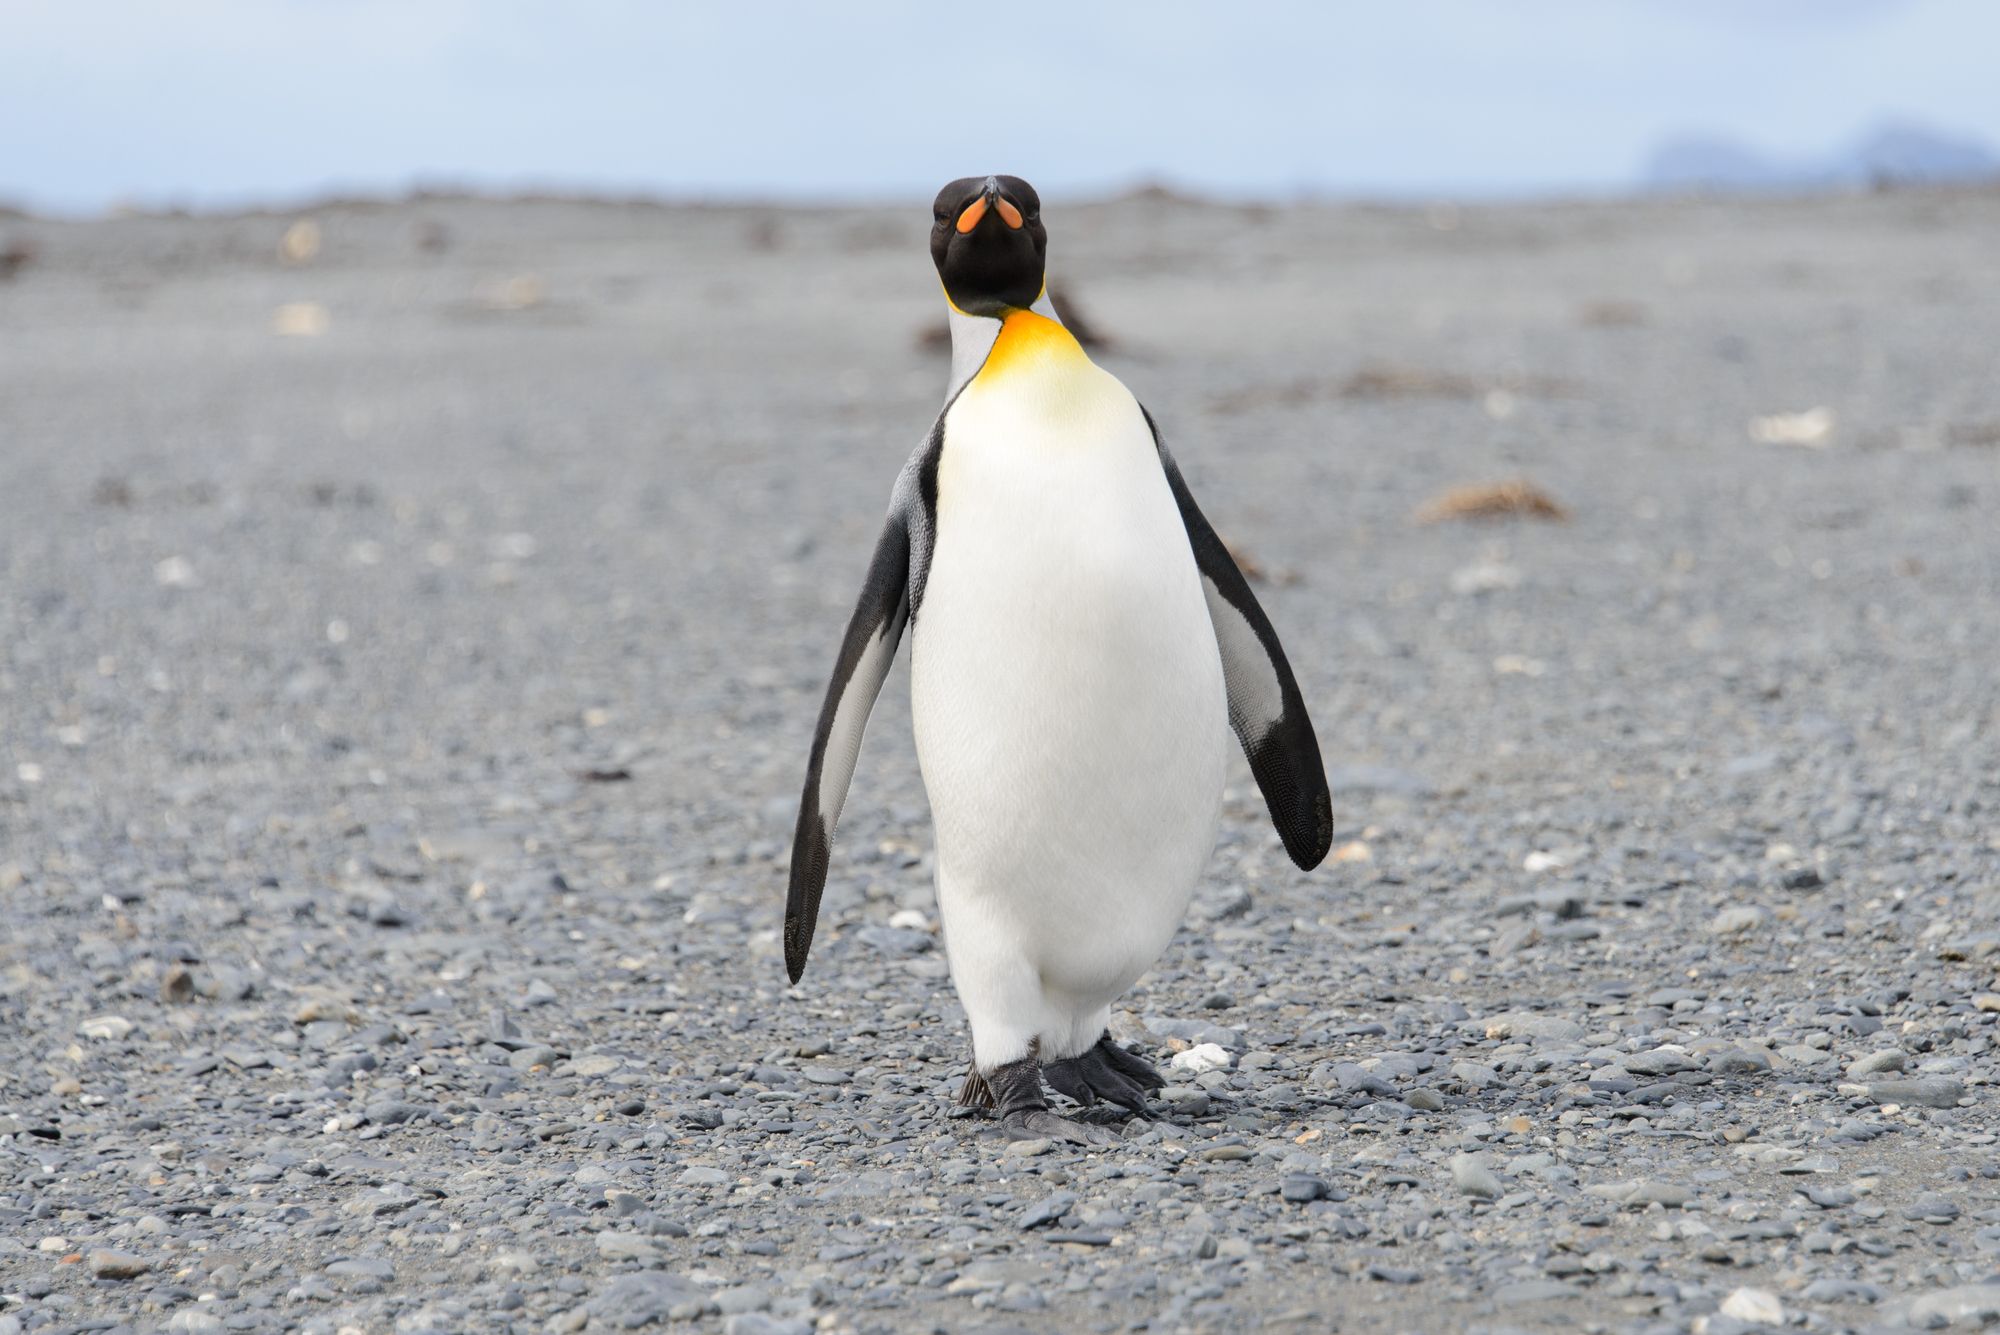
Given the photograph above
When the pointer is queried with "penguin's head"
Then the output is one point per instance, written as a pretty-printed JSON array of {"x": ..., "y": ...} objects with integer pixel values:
[{"x": 988, "y": 243}]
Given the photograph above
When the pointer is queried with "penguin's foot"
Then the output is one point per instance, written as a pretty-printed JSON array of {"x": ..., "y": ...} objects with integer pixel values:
[
  {"x": 1041, "y": 1124},
  {"x": 1024, "y": 1112},
  {"x": 1135, "y": 1067},
  {"x": 1105, "y": 1072}
]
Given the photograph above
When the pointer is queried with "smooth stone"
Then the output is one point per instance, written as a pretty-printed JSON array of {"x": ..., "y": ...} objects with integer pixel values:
[
  {"x": 1972, "y": 1304},
  {"x": 646, "y": 1298},
  {"x": 1201, "y": 1058},
  {"x": 1533, "y": 1291},
  {"x": 1047, "y": 1210},
  {"x": 1737, "y": 921},
  {"x": 1932, "y": 1209},
  {"x": 1300, "y": 1189},
  {"x": 1889, "y": 1059},
  {"x": 1472, "y": 1176},
  {"x": 626, "y": 1247},
  {"x": 1759, "y": 1306},
  {"x": 1928, "y": 1092},
  {"x": 1738, "y": 1061},
  {"x": 1660, "y": 1061},
  {"x": 110, "y": 1263}
]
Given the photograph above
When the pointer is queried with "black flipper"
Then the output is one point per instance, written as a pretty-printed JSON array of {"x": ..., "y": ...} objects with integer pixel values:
[
  {"x": 1265, "y": 707},
  {"x": 865, "y": 657}
]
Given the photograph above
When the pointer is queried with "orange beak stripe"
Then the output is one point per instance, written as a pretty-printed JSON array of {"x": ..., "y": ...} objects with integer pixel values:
[
  {"x": 973, "y": 213},
  {"x": 1008, "y": 213}
]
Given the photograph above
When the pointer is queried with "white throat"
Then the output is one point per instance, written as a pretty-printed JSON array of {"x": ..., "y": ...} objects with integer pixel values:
[{"x": 973, "y": 336}]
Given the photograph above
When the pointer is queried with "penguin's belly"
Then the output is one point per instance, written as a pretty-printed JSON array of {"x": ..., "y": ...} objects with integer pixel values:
[{"x": 1070, "y": 716}]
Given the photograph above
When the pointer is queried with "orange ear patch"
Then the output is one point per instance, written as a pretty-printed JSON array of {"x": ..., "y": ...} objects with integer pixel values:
[{"x": 973, "y": 213}]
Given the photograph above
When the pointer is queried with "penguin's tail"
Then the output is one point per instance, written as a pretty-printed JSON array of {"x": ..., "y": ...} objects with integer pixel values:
[{"x": 975, "y": 1092}]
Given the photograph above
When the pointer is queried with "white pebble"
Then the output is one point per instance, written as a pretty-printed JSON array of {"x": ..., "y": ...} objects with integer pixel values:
[
  {"x": 1755, "y": 1305},
  {"x": 1472, "y": 1177},
  {"x": 1201, "y": 1059}
]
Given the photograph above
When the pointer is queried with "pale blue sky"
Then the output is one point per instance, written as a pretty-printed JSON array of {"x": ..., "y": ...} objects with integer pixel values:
[{"x": 215, "y": 102}]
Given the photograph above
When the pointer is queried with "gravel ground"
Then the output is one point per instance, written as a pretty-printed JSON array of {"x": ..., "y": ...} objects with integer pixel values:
[{"x": 409, "y": 651}]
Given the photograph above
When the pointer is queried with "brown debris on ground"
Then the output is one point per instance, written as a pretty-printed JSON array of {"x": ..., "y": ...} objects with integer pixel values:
[
  {"x": 1384, "y": 381},
  {"x": 1515, "y": 498},
  {"x": 14, "y": 257},
  {"x": 1410, "y": 382}
]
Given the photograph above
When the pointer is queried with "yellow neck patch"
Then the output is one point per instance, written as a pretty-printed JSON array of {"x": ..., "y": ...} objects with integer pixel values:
[{"x": 1028, "y": 340}]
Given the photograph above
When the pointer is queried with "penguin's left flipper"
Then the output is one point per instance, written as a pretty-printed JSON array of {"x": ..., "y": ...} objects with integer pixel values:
[
  {"x": 865, "y": 657},
  {"x": 1265, "y": 707}
]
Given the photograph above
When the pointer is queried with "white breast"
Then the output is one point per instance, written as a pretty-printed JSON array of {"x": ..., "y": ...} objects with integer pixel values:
[{"x": 1067, "y": 689}]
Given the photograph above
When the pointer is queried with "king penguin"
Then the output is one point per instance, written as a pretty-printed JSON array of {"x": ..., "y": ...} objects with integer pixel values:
[{"x": 1082, "y": 645}]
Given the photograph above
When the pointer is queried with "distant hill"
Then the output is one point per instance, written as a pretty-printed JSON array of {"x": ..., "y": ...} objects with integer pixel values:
[{"x": 1892, "y": 153}]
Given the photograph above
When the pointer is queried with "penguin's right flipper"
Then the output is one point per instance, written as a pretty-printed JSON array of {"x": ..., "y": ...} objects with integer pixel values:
[
  {"x": 1265, "y": 707},
  {"x": 865, "y": 657}
]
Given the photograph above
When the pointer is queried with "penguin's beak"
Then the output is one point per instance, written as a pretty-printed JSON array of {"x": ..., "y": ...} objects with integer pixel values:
[{"x": 989, "y": 198}]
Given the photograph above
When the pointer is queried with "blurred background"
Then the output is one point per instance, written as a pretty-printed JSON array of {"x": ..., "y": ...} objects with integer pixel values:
[{"x": 219, "y": 103}]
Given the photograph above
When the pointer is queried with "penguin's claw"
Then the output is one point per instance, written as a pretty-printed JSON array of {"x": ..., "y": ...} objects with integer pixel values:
[
  {"x": 1041, "y": 1124},
  {"x": 1134, "y": 1067},
  {"x": 1105, "y": 1072}
]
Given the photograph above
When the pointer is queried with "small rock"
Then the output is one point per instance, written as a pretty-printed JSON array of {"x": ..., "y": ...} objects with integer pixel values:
[
  {"x": 1759, "y": 1306},
  {"x": 1932, "y": 1209},
  {"x": 1531, "y": 1025},
  {"x": 1047, "y": 1210},
  {"x": 1300, "y": 1189},
  {"x": 645, "y": 1298},
  {"x": 1201, "y": 1058},
  {"x": 761, "y": 1323},
  {"x": 1424, "y": 1099},
  {"x": 824, "y": 1075},
  {"x": 1986, "y": 1001},
  {"x": 1645, "y": 1191},
  {"x": 1969, "y": 1304},
  {"x": 1533, "y": 1291},
  {"x": 1889, "y": 1059},
  {"x": 1928, "y": 1091},
  {"x": 1474, "y": 1075},
  {"x": 703, "y": 1176},
  {"x": 1660, "y": 1061},
  {"x": 106, "y": 1027},
  {"x": 1737, "y": 921},
  {"x": 1471, "y": 1175},
  {"x": 626, "y": 1247},
  {"x": 528, "y": 1058},
  {"x": 108, "y": 1263},
  {"x": 177, "y": 985},
  {"x": 1738, "y": 1061}
]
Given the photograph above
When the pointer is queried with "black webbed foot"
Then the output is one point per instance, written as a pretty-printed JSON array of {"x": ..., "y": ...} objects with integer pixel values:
[
  {"x": 1040, "y": 1123},
  {"x": 1016, "y": 1091},
  {"x": 1106, "y": 1072}
]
